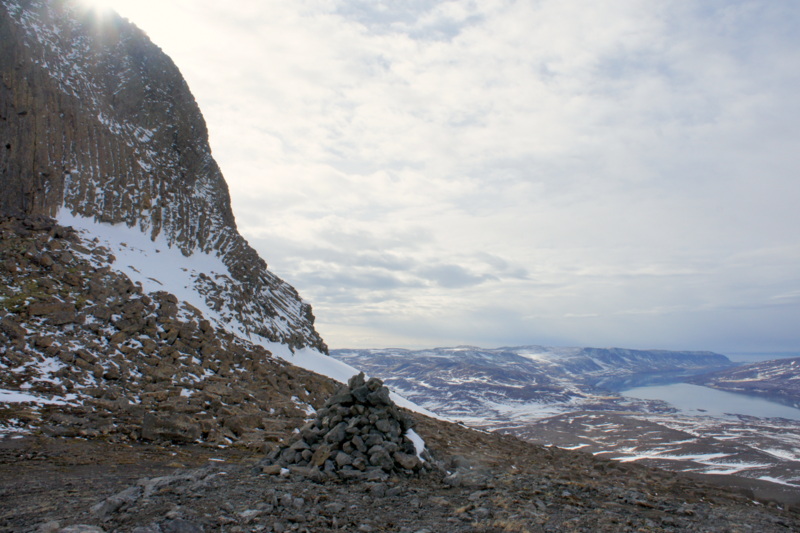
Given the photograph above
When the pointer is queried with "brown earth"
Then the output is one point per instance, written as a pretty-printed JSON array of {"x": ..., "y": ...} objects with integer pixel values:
[{"x": 485, "y": 482}]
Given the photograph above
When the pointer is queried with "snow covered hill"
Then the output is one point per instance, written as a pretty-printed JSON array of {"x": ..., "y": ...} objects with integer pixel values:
[
  {"x": 474, "y": 383},
  {"x": 570, "y": 398},
  {"x": 777, "y": 380}
]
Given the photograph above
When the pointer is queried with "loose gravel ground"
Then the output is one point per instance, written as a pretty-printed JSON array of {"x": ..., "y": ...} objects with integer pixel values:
[{"x": 487, "y": 482}]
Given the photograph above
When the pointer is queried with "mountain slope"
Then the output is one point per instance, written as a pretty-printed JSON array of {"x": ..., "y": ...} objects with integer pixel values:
[
  {"x": 84, "y": 351},
  {"x": 99, "y": 125},
  {"x": 777, "y": 380},
  {"x": 130, "y": 306}
]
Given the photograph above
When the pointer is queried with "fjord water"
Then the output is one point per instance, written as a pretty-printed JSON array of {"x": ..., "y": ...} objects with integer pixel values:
[{"x": 704, "y": 401}]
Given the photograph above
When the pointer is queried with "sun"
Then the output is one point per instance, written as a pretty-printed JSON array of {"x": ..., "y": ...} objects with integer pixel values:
[
  {"x": 100, "y": 5},
  {"x": 137, "y": 9}
]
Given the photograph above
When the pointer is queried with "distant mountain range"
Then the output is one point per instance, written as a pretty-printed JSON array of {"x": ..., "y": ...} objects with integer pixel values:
[
  {"x": 574, "y": 398},
  {"x": 467, "y": 381},
  {"x": 777, "y": 380}
]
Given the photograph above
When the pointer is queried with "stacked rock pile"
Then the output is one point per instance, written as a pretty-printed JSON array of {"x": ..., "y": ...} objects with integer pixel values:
[{"x": 359, "y": 434}]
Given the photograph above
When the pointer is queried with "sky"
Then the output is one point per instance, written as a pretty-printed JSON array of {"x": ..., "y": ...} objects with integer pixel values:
[{"x": 508, "y": 172}]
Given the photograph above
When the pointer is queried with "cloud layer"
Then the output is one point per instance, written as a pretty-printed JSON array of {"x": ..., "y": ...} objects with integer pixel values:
[{"x": 507, "y": 172}]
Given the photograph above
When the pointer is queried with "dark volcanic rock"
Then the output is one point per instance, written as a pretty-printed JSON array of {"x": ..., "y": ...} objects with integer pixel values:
[{"x": 359, "y": 434}]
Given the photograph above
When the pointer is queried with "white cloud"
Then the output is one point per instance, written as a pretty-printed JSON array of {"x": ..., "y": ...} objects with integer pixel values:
[{"x": 584, "y": 172}]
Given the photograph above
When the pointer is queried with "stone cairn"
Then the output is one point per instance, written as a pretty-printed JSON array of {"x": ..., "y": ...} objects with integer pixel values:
[{"x": 359, "y": 434}]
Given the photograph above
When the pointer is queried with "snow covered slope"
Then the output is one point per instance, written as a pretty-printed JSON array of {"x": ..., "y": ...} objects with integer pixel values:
[
  {"x": 154, "y": 318},
  {"x": 777, "y": 380},
  {"x": 472, "y": 383},
  {"x": 569, "y": 397}
]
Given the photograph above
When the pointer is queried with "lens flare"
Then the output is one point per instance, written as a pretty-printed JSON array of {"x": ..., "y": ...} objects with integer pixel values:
[{"x": 99, "y": 5}]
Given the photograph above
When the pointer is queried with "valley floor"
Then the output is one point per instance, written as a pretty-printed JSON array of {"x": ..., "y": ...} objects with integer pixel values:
[{"x": 495, "y": 483}]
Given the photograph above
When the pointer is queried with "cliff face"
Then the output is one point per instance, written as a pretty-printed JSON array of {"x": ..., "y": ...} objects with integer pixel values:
[{"x": 97, "y": 121}]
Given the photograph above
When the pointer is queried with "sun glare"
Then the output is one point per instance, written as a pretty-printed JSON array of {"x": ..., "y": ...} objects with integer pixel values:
[{"x": 100, "y": 5}]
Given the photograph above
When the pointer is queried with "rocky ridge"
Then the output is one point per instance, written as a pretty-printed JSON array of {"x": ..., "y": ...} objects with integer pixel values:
[
  {"x": 97, "y": 121},
  {"x": 101, "y": 358}
]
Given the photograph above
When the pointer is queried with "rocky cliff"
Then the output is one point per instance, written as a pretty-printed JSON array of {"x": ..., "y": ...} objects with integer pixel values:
[{"x": 97, "y": 122}]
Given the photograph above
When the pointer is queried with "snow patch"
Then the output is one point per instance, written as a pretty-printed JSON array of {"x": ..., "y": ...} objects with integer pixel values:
[
  {"x": 11, "y": 396},
  {"x": 419, "y": 444},
  {"x": 156, "y": 266},
  {"x": 777, "y": 480}
]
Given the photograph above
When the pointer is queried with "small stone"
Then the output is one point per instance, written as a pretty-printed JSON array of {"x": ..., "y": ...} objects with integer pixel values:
[
  {"x": 337, "y": 435},
  {"x": 361, "y": 393},
  {"x": 44, "y": 341},
  {"x": 356, "y": 381},
  {"x": 286, "y": 500},
  {"x": 312, "y": 473},
  {"x": 343, "y": 459},
  {"x": 378, "y": 490},
  {"x": 117, "y": 502},
  {"x": 177, "y": 428},
  {"x": 358, "y": 443},
  {"x": 374, "y": 384},
  {"x": 272, "y": 470},
  {"x": 300, "y": 445},
  {"x": 12, "y": 329},
  {"x": 180, "y": 526},
  {"x": 379, "y": 397},
  {"x": 321, "y": 455},
  {"x": 383, "y": 425},
  {"x": 343, "y": 397},
  {"x": 394, "y": 492},
  {"x": 382, "y": 459},
  {"x": 407, "y": 461},
  {"x": 360, "y": 463},
  {"x": 373, "y": 439},
  {"x": 46, "y": 260},
  {"x": 49, "y": 527}
]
